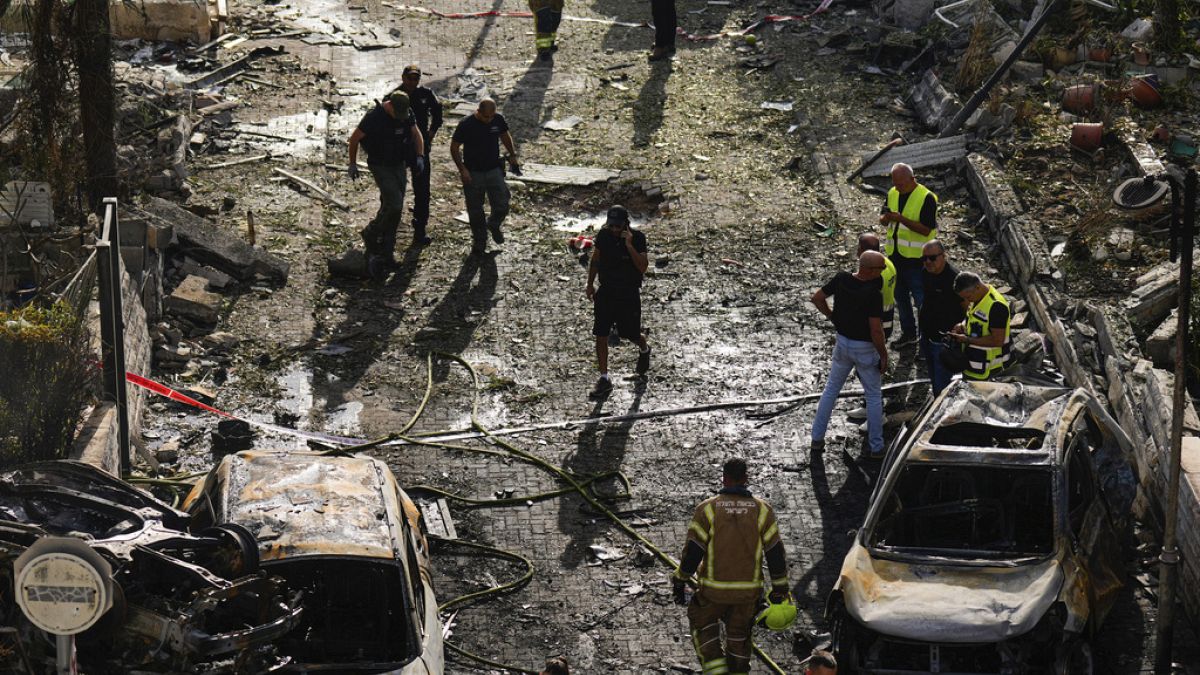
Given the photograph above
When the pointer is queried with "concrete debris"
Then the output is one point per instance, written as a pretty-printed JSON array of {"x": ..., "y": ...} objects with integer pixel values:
[
  {"x": 566, "y": 175},
  {"x": 225, "y": 251},
  {"x": 193, "y": 301},
  {"x": 1160, "y": 346},
  {"x": 934, "y": 104},
  {"x": 563, "y": 124},
  {"x": 161, "y": 20},
  {"x": 937, "y": 152},
  {"x": 1153, "y": 295}
]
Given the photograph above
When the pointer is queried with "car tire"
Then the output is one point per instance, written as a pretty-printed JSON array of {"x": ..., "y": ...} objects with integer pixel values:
[{"x": 242, "y": 542}]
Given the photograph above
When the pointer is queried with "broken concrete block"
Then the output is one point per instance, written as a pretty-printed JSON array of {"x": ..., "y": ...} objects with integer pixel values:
[
  {"x": 191, "y": 300},
  {"x": 1160, "y": 346},
  {"x": 1153, "y": 295},
  {"x": 215, "y": 247},
  {"x": 1121, "y": 240},
  {"x": 217, "y": 280},
  {"x": 220, "y": 341},
  {"x": 934, "y": 105},
  {"x": 1024, "y": 71}
]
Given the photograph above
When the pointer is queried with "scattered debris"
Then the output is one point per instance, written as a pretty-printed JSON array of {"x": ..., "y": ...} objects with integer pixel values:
[
  {"x": 203, "y": 241},
  {"x": 312, "y": 187},
  {"x": 563, "y": 124}
]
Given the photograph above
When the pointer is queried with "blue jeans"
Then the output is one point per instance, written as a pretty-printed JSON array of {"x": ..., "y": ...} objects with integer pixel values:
[
  {"x": 864, "y": 359},
  {"x": 488, "y": 184},
  {"x": 939, "y": 377},
  {"x": 908, "y": 283},
  {"x": 381, "y": 231}
]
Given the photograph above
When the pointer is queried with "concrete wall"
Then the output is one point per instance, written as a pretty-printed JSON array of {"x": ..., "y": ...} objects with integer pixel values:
[
  {"x": 158, "y": 20},
  {"x": 1112, "y": 368}
]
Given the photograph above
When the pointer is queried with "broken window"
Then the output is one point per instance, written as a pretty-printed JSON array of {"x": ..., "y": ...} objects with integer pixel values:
[
  {"x": 976, "y": 435},
  {"x": 968, "y": 511}
]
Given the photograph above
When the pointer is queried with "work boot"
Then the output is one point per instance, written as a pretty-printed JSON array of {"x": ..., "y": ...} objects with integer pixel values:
[
  {"x": 603, "y": 388},
  {"x": 643, "y": 363},
  {"x": 661, "y": 53},
  {"x": 372, "y": 241},
  {"x": 497, "y": 235}
]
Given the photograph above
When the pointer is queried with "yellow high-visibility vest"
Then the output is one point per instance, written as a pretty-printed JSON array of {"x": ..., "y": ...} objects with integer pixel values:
[
  {"x": 888, "y": 275},
  {"x": 981, "y": 362},
  {"x": 899, "y": 237}
]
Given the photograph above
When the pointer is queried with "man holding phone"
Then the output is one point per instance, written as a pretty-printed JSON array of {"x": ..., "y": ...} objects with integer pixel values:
[
  {"x": 857, "y": 316},
  {"x": 619, "y": 259},
  {"x": 941, "y": 311}
]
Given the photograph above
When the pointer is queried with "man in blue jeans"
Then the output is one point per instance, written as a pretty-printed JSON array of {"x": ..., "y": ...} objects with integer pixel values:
[
  {"x": 941, "y": 311},
  {"x": 482, "y": 171},
  {"x": 857, "y": 316},
  {"x": 909, "y": 216}
]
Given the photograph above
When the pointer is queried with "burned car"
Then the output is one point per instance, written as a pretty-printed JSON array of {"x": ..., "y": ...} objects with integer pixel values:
[
  {"x": 339, "y": 529},
  {"x": 993, "y": 541},
  {"x": 184, "y": 599}
]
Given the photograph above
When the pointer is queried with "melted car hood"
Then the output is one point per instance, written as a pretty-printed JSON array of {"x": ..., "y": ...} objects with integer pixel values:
[{"x": 940, "y": 603}]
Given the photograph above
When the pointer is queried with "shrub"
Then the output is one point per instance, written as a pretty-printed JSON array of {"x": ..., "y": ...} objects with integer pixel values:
[{"x": 47, "y": 370}]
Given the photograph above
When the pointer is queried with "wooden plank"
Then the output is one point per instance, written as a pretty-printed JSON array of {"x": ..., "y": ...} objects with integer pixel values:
[{"x": 312, "y": 187}]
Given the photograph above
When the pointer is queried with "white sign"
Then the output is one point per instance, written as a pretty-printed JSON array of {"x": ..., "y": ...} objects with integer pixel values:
[{"x": 62, "y": 585}]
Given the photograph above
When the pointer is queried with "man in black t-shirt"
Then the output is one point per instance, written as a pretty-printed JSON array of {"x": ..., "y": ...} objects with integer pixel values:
[
  {"x": 482, "y": 170},
  {"x": 941, "y": 311},
  {"x": 857, "y": 316},
  {"x": 619, "y": 259},
  {"x": 427, "y": 111},
  {"x": 391, "y": 139}
]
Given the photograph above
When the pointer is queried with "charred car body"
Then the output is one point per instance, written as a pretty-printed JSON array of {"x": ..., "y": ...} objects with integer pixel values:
[
  {"x": 183, "y": 602},
  {"x": 340, "y": 530},
  {"x": 993, "y": 540}
]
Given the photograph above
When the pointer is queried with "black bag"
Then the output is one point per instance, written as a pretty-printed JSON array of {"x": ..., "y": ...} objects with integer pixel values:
[{"x": 954, "y": 356}]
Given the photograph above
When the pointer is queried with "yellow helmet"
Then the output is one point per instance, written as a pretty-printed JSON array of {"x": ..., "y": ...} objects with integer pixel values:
[{"x": 778, "y": 615}]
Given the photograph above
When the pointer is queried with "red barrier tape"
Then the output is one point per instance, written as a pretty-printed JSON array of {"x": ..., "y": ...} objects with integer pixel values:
[
  {"x": 164, "y": 390},
  {"x": 495, "y": 13}
]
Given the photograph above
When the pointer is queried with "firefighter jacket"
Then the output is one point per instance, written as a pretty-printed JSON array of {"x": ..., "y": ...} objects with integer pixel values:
[{"x": 734, "y": 530}]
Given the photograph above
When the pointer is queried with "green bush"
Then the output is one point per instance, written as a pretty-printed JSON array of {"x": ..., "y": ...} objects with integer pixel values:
[{"x": 47, "y": 371}]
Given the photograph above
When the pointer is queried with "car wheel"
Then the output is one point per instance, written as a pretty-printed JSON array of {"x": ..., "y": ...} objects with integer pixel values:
[
  {"x": 240, "y": 556},
  {"x": 1077, "y": 659}
]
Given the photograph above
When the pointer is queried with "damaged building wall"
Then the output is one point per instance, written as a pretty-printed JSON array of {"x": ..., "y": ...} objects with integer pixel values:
[{"x": 1139, "y": 394}]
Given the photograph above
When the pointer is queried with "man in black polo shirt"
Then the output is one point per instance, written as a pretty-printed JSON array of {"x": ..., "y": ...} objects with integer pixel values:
[
  {"x": 620, "y": 260},
  {"x": 857, "y": 315},
  {"x": 482, "y": 170},
  {"x": 941, "y": 310},
  {"x": 391, "y": 139},
  {"x": 427, "y": 110}
]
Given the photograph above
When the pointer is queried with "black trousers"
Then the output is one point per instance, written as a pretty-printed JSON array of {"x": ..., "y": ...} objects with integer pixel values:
[
  {"x": 665, "y": 22},
  {"x": 420, "y": 192}
]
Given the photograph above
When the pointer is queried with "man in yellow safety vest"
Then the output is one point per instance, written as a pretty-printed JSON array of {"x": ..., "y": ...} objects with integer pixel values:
[
  {"x": 909, "y": 217},
  {"x": 728, "y": 538},
  {"x": 986, "y": 331}
]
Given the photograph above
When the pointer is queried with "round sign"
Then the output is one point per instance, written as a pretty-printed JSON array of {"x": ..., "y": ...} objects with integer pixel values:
[{"x": 62, "y": 593}]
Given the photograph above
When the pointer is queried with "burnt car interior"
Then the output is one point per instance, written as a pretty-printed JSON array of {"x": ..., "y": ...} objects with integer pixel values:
[
  {"x": 977, "y": 511},
  {"x": 355, "y": 612},
  {"x": 976, "y": 435}
]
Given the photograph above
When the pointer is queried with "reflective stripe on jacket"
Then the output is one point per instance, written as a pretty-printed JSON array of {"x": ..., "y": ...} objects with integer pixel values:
[
  {"x": 899, "y": 237},
  {"x": 734, "y": 530},
  {"x": 981, "y": 362}
]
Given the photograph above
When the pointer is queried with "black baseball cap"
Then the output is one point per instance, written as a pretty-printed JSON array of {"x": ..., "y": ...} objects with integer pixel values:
[{"x": 617, "y": 215}]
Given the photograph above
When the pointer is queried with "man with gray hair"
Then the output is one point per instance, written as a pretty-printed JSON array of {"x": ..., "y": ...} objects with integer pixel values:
[
  {"x": 986, "y": 331},
  {"x": 941, "y": 311},
  {"x": 482, "y": 170},
  {"x": 857, "y": 316},
  {"x": 909, "y": 217}
]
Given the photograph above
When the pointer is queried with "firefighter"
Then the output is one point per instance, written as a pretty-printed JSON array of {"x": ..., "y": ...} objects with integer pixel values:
[
  {"x": 728, "y": 538},
  {"x": 986, "y": 331},
  {"x": 547, "y": 14}
]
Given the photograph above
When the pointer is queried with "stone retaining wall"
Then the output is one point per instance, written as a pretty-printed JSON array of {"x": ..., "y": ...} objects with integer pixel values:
[{"x": 1138, "y": 393}]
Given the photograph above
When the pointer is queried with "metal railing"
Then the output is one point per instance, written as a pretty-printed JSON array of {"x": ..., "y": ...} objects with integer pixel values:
[{"x": 112, "y": 324}]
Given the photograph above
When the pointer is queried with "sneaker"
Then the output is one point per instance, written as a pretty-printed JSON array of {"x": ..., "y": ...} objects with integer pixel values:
[
  {"x": 857, "y": 415},
  {"x": 603, "y": 388},
  {"x": 817, "y": 446},
  {"x": 497, "y": 235},
  {"x": 643, "y": 363}
]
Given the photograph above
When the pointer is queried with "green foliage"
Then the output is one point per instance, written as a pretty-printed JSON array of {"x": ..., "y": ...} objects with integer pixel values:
[{"x": 48, "y": 368}]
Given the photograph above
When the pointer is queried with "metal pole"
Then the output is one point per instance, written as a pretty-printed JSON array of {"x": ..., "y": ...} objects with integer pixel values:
[
  {"x": 64, "y": 654},
  {"x": 1169, "y": 558},
  {"x": 981, "y": 93},
  {"x": 112, "y": 323}
]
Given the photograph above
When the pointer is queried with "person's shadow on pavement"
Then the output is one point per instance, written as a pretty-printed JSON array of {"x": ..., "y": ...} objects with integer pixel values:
[
  {"x": 523, "y": 106},
  {"x": 464, "y": 308},
  {"x": 595, "y": 453},
  {"x": 651, "y": 100}
]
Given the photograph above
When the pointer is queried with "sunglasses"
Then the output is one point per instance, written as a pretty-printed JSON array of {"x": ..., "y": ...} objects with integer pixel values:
[{"x": 931, "y": 258}]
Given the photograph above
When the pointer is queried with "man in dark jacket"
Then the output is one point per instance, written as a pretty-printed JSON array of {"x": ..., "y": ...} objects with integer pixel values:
[
  {"x": 391, "y": 139},
  {"x": 427, "y": 111},
  {"x": 941, "y": 311}
]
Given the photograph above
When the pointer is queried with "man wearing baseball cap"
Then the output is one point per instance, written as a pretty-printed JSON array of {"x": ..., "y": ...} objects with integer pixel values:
[
  {"x": 427, "y": 111},
  {"x": 391, "y": 139},
  {"x": 619, "y": 259}
]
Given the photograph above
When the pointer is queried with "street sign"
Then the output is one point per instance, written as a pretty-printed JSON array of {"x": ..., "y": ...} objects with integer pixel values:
[{"x": 62, "y": 585}]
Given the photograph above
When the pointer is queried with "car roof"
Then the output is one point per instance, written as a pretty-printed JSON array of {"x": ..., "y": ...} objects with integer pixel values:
[
  {"x": 309, "y": 504},
  {"x": 1037, "y": 418}
]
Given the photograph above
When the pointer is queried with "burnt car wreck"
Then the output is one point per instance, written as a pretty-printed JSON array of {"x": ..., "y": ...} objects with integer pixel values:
[
  {"x": 183, "y": 603},
  {"x": 992, "y": 543}
]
